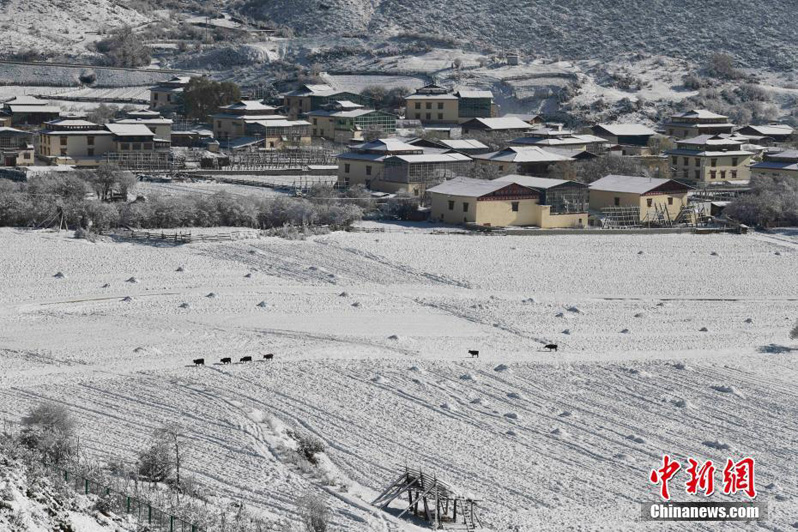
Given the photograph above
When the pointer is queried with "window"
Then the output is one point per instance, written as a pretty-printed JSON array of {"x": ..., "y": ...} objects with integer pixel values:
[
  {"x": 698, "y": 162},
  {"x": 670, "y": 201},
  {"x": 675, "y": 160},
  {"x": 418, "y": 105},
  {"x": 649, "y": 202},
  {"x": 315, "y": 122},
  {"x": 440, "y": 116},
  {"x": 429, "y": 105},
  {"x": 723, "y": 174},
  {"x": 90, "y": 152},
  {"x": 90, "y": 140},
  {"x": 147, "y": 146},
  {"x": 734, "y": 174},
  {"x": 451, "y": 205},
  {"x": 218, "y": 124},
  {"x": 418, "y": 116},
  {"x": 685, "y": 173},
  {"x": 368, "y": 170},
  {"x": 315, "y": 132},
  {"x": 440, "y": 105},
  {"x": 124, "y": 146},
  {"x": 713, "y": 163},
  {"x": 465, "y": 206},
  {"x": 698, "y": 175},
  {"x": 428, "y": 116},
  {"x": 63, "y": 141},
  {"x": 617, "y": 202},
  {"x": 514, "y": 206},
  {"x": 346, "y": 181},
  {"x": 713, "y": 174},
  {"x": 734, "y": 161},
  {"x": 63, "y": 152},
  {"x": 168, "y": 97},
  {"x": 346, "y": 168},
  {"x": 686, "y": 161}
]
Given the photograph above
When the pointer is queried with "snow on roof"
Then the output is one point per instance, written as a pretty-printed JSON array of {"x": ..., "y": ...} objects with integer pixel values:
[
  {"x": 12, "y": 131},
  {"x": 713, "y": 140},
  {"x": 699, "y": 113},
  {"x": 386, "y": 145},
  {"x": 783, "y": 155},
  {"x": 523, "y": 154},
  {"x": 248, "y": 105},
  {"x": 346, "y": 104},
  {"x": 772, "y": 129},
  {"x": 463, "y": 144},
  {"x": 71, "y": 123},
  {"x": 153, "y": 121},
  {"x": 629, "y": 184},
  {"x": 26, "y": 108},
  {"x": 626, "y": 130},
  {"x": 776, "y": 165},
  {"x": 503, "y": 123},
  {"x": 281, "y": 123},
  {"x": 474, "y": 94},
  {"x": 25, "y": 100},
  {"x": 540, "y": 183},
  {"x": 130, "y": 130},
  {"x": 433, "y": 158},
  {"x": 466, "y": 186},
  {"x": 447, "y": 96}
]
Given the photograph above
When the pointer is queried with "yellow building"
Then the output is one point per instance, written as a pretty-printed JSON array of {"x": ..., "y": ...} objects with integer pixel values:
[
  {"x": 697, "y": 122},
  {"x": 488, "y": 203},
  {"x": 390, "y": 165},
  {"x": 309, "y": 97},
  {"x": 168, "y": 94},
  {"x": 83, "y": 143},
  {"x": 527, "y": 160},
  {"x": 231, "y": 121},
  {"x": 162, "y": 127},
  {"x": 562, "y": 204},
  {"x": 16, "y": 148},
  {"x": 344, "y": 121},
  {"x": 711, "y": 159},
  {"x": 650, "y": 196},
  {"x": 433, "y": 104},
  {"x": 777, "y": 164}
]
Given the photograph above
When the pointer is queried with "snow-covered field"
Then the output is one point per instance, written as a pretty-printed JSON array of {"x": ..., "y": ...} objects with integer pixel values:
[{"x": 370, "y": 333}]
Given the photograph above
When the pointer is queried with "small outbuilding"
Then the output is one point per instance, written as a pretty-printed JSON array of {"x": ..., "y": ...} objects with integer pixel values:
[{"x": 644, "y": 198}]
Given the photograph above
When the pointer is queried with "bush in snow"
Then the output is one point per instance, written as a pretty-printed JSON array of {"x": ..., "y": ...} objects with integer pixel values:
[
  {"x": 50, "y": 430},
  {"x": 794, "y": 332},
  {"x": 308, "y": 446},
  {"x": 314, "y": 512}
]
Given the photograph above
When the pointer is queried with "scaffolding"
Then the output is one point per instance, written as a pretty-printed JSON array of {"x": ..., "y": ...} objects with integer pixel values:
[
  {"x": 430, "y": 499},
  {"x": 621, "y": 218}
]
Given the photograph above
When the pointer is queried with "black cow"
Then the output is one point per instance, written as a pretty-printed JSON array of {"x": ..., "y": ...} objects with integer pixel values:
[
  {"x": 199, "y": 361},
  {"x": 246, "y": 359},
  {"x": 270, "y": 356},
  {"x": 227, "y": 360},
  {"x": 474, "y": 354},
  {"x": 550, "y": 347}
]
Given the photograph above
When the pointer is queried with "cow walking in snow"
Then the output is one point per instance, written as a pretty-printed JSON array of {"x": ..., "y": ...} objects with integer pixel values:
[{"x": 199, "y": 361}]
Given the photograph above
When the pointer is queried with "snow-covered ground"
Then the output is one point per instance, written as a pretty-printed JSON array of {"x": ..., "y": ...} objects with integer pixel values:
[{"x": 370, "y": 333}]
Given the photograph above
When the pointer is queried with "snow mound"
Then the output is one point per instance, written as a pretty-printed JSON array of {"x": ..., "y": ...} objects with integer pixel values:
[
  {"x": 127, "y": 299},
  {"x": 106, "y": 285},
  {"x": 467, "y": 377},
  {"x": 180, "y": 269},
  {"x": 343, "y": 294},
  {"x": 379, "y": 379},
  {"x": 726, "y": 389},
  {"x": 515, "y": 395},
  {"x": 59, "y": 275},
  {"x": 749, "y": 320},
  {"x": 256, "y": 415},
  {"x": 185, "y": 305},
  {"x": 262, "y": 304},
  {"x": 625, "y": 331},
  {"x": 152, "y": 350},
  {"x": 395, "y": 338},
  {"x": 640, "y": 315},
  {"x": 703, "y": 329},
  {"x": 511, "y": 433},
  {"x": 679, "y": 365},
  {"x": 448, "y": 406},
  {"x": 132, "y": 280},
  {"x": 720, "y": 446},
  {"x": 356, "y": 304},
  {"x": 565, "y": 414},
  {"x": 480, "y": 401},
  {"x": 417, "y": 369},
  {"x": 636, "y": 439},
  {"x": 575, "y": 310},
  {"x": 662, "y": 304},
  {"x": 530, "y": 300},
  {"x": 560, "y": 433},
  {"x": 715, "y": 254},
  {"x": 248, "y": 275},
  {"x": 640, "y": 252},
  {"x": 681, "y": 403},
  {"x": 559, "y": 315},
  {"x": 511, "y": 415},
  {"x": 211, "y": 295},
  {"x": 778, "y": 253},
  {"x": 501, "y": 367},
  {"x": 566, "y": 331}
]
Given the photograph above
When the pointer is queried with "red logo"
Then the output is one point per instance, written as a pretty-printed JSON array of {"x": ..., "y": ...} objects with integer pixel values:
[{"x": 737, "y": 477}]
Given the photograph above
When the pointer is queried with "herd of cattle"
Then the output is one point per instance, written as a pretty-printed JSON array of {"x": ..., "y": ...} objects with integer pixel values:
[
  {"x": 270, "y": 356},
  {"x": 228, "y": 360}
]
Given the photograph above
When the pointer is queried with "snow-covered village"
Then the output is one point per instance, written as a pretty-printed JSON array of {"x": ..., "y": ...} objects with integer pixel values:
[{"x": 398, "y": 266}]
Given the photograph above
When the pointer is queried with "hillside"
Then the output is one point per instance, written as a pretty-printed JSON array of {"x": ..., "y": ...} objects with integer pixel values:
[{"x": 567, "y": 28}]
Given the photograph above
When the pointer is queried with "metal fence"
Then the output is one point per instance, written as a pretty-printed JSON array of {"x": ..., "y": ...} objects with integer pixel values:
[{"x": 123, "y": 504}]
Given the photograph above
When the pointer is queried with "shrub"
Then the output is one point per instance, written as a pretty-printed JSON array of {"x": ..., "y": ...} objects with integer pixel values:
[
  {"x": 314, "y": 512},
  {"x": 722, "y": 66},
  {"x": 123, "y": 48},
  {"x": 308, "y": 446},
  {"x": 156, "y": 463},
  {"x": 50, "y": 430},
  {"x": 794, "y": 332},
  {"x": 772, "y": 201}
]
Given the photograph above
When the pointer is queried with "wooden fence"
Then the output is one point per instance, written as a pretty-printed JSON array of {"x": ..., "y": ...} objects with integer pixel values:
[{"x": 180, "y": 237}]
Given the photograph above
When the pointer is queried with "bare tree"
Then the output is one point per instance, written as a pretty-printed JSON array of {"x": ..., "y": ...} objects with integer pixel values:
[{"x": 51, "y": 430}]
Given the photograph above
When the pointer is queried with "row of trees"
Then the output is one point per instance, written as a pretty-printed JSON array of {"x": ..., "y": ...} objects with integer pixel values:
[{"x": 773, "y": 201}]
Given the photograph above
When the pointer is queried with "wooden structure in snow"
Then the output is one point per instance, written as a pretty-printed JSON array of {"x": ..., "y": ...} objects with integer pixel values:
[{"x": 431, "y": 499}]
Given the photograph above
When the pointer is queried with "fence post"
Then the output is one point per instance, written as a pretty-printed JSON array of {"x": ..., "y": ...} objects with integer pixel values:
[
  {"x": 127, "y": 504},
  {"x": 171, "y": 523},
  {"x": 149, "y": 513},
  {"x": 86, "y": 485}
]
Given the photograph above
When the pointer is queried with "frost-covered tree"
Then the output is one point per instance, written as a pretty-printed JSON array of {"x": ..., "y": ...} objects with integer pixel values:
[{"x": 51, "y": 430}]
